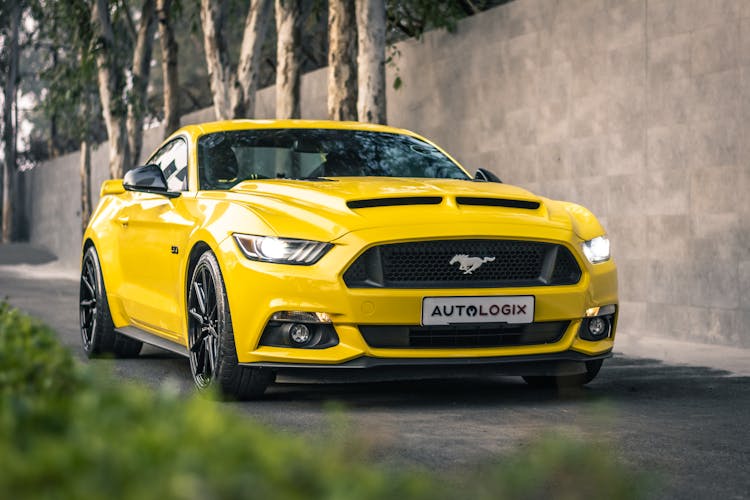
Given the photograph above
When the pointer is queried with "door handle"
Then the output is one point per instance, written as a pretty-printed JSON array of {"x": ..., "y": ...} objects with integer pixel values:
[{"x": 123, "y": 220}]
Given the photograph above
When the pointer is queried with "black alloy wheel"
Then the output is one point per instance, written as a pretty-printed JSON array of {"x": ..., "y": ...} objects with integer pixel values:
[
  {"x": 203, "y": 324},
  {"x": 211, "y": 347},
  {"x": 98, "y": 335},
  {"x": 88, "y": 299}
]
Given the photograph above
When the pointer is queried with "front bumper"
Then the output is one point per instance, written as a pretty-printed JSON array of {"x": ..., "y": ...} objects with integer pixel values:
[{"x": 256, "y": 290}]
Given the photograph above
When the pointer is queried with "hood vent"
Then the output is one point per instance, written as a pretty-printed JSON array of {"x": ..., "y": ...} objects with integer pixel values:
[
  {"x": 497, "y": 202},
  {"x": 395, "y": 202}
]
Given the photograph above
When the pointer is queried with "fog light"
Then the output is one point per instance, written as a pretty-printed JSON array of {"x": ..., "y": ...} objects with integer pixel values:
[
  {"x": 299, "y": 334},
  {"x": 597, "y": 326}
]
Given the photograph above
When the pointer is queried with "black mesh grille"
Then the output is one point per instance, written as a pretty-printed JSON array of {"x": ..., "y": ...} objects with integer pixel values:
[
  {"x": 566, "y": 269},
  {"x": 464, "y": 264},
  {"x": 490, "y": 335},
  {"x": 357, "y": 272}
]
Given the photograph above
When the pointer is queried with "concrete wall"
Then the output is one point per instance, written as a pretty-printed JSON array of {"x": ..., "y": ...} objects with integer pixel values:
[{"x": 638, "y": 109}]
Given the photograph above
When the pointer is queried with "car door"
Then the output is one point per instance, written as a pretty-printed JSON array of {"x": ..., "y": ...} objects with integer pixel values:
[{"x": 154, "y": 238}]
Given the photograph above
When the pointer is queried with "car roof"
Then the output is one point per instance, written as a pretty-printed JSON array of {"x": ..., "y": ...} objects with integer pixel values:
[{"x": 199, "y": 129}]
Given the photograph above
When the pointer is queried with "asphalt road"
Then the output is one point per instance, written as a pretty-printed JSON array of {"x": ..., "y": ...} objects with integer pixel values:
[{"x": 687, "y": 425}]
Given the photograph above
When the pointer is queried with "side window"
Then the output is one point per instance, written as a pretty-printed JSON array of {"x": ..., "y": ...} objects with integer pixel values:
[{"x": 173, "y": 161}]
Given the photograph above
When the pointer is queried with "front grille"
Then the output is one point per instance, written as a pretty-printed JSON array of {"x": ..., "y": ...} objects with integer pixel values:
[
  {"x": 464, "y": 264},
  {"x": 454, "y": 336}
]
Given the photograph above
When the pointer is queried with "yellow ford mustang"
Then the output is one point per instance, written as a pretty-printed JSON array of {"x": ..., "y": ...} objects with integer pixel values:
[{"x": 262, "y": 247}]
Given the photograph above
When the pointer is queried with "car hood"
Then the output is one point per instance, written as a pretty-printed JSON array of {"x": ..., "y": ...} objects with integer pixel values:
[{"x": 325, "y": 210}]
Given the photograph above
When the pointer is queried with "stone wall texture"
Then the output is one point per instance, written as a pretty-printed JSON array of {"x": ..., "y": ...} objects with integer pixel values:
[{"x": 637, "y": 109}]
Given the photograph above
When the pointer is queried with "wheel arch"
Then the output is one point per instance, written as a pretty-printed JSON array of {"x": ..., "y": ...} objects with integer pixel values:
[
  {"x": 119, "y": 317},
  {"x": 88, "y": 242},
  {"x": 198, "y": 248}
]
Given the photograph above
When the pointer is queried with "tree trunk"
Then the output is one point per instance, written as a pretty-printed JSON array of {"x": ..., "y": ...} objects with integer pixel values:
[
  {"x": 85, "y": 184},
  {"x": 9, "y": 130},
  {"x": 89, "y": 109},
  {"x": 256, "y": 25},
  {"x": 220, "y": 75},
  {"x": 371, "y": 61},
  {"x": 141, "y": 71},
  {"x": 52, "y": 141},
  {"x": 342, "y": 60},
  {"x": 109, "y": 84},
  {"x": 287, "y": 59},
  {"x": 169, "y": 52}
]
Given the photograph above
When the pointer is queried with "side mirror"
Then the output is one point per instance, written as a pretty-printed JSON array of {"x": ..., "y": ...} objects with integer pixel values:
[
  {"x": 148, "y": 179},
  {"x": 484, "y": 175},
  {"x": 112, "y": 186}
]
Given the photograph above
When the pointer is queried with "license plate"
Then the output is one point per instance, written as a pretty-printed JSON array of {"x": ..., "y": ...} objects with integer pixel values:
[{"x": 451, "y": 310}]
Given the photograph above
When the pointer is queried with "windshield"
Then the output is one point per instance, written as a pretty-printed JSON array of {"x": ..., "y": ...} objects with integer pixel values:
[{"x": 227, "y": 158}]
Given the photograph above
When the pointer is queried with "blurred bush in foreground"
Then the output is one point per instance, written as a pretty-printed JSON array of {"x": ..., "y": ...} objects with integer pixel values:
[{"x": 65, "y": 433}]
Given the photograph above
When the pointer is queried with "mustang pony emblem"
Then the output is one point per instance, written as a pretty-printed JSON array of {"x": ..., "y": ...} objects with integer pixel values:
[{"x": 469, "y": 264}]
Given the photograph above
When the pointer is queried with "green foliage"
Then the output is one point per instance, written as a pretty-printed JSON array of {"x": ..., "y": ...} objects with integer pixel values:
[
  {"x": 66, "y": 48},
  {"x": 36, "y": 374},
  {"x": 33, "y": 364},
  {"x": 411, "y": 18},
  {"x": 67, "y": 71},
  {"x": 67, "y": 431},
  {"x": 133, "y": 443}
]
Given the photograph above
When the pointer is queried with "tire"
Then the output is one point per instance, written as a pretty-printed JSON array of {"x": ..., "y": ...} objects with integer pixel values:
[
  {"x": 211, "y": 347},
  {"x": 592, "y": 370},
  {"x": 98, "y": 335}
]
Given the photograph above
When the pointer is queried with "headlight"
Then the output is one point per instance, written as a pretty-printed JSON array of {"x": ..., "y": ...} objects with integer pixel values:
[
  {"x": 281, "y": 250},
  {"x": 597, "y": 249}
]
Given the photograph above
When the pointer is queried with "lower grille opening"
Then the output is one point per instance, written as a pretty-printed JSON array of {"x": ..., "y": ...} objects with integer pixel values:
[{"x": 474, "y": 335}]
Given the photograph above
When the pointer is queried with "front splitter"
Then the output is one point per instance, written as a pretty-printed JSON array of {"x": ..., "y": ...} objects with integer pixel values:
[{"x": 560, "y": 364}]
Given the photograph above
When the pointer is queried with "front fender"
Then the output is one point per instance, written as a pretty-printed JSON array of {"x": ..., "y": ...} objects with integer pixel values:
[
  {"x": 585, "y": 224},
  {"x": 102, "y": 233}
]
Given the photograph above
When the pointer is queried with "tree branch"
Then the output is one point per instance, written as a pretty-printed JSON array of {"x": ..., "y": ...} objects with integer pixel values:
[{"x": 132, "y": 31}]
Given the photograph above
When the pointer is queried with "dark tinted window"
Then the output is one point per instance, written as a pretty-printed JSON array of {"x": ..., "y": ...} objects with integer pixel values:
[{"x": 226, "y": 158}]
